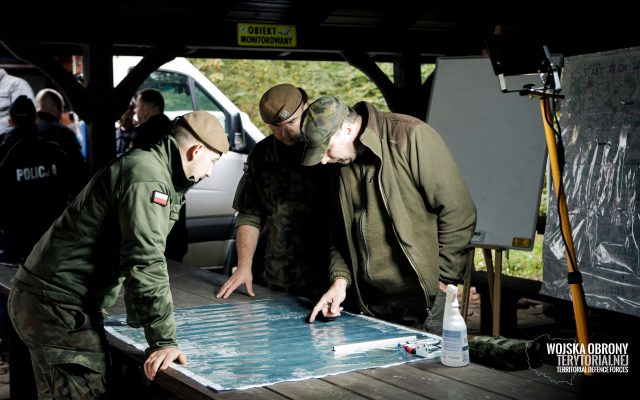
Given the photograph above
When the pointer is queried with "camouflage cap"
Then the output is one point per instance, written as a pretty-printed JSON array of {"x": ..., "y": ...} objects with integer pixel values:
[
  {"x": 207, "y": 129},
  {"x": 320, "y": 121},
  {"x": 279, "y": 103}
]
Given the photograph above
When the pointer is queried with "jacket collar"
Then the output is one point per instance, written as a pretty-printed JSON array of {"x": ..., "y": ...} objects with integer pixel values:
[
  {"x": 180, "y": 180},
  {"x": 371, "y": 136},
  {"x": 45, "y": 116},
  {"x": 21, "y": 132}
]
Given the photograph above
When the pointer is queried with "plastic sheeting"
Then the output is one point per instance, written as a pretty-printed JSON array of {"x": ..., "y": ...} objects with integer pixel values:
[
  {"x": 600, "y": 120},
  {"x": 238, "y": 346}
]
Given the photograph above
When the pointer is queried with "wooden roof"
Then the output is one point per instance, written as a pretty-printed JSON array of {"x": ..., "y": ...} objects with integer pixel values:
[{"x": 325, "y": 28}]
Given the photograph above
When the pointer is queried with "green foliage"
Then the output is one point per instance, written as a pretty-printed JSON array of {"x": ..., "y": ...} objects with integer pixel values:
[
  {"x": 543, "y": 198},
  {"x": 523, "y": 264},
  {"x": 244, "y": 81}
]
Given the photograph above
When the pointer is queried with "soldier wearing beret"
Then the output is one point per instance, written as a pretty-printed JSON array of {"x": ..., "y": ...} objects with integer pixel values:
[
  {"x": 113, "y": 234},
  {"x": 286, "y": 199},
  {"x": 407, "y": 214}
]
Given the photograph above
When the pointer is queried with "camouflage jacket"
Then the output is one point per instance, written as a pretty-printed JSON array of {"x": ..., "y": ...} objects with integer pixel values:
[
  {"x": 114, "y": 232},
  {"x": 293, "y": 203}
]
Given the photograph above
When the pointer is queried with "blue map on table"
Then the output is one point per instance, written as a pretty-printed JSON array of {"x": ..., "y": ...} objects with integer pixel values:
[{"x": 262, "y": 342}]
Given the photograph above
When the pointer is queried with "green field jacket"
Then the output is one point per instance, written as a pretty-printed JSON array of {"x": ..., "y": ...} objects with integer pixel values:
[
  {"x": 115, "y": 232},
  {"x": 431, "y": 210}
]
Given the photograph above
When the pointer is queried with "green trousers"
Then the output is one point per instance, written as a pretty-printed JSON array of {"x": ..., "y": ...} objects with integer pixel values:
[{"x": 67, "y": 344}]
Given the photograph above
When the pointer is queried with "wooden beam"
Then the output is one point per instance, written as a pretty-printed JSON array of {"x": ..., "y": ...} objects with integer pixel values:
[
  {"x": 98, "y": 67},
  {"x": 364, "y": 63},
  {"x": 33, "y": 53},
  {"x": 155, "y": 58}
]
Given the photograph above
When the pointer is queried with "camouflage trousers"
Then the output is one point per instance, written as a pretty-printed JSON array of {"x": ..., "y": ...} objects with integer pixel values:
[{"x": 68, "y": 346}]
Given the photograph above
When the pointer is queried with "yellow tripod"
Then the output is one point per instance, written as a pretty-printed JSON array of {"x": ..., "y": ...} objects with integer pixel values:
[{"x": 575, "y": 280}]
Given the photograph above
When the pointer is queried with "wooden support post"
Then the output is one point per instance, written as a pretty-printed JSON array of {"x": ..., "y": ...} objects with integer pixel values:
[
  {"x": 467, "y": 285},
  {"x": 494, "y": 272},
  {"x": 497, "y": 292}
]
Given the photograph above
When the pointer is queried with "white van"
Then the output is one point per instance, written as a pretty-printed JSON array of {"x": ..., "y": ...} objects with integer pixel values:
[{"x": 210, "y": 215}]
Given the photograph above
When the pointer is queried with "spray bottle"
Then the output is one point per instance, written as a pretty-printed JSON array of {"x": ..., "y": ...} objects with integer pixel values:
[{"x": 455, "y": 347}]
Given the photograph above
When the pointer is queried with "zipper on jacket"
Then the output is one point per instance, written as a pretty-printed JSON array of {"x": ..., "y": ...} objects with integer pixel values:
[
  {"x": 363, "y": 239},
  {"x": 395, "y": 233},
  {"x": 365, "y": 248},
  {"x": 352, "y": 247}
]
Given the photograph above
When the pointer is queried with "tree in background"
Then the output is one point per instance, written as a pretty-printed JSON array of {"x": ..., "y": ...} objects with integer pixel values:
[{"x": 244, "y": 81}]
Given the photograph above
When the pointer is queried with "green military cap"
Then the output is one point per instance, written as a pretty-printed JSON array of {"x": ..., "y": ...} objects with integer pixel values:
[
  {"x": 279, "y": 103},
  {"x": 207, "y": 129},
  {"x": 320, "y": 121}
]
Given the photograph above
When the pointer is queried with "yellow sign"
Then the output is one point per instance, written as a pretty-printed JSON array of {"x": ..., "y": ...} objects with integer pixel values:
[
  {"x": 521, "y": 242},
  {"x": 266, "y": 35}
]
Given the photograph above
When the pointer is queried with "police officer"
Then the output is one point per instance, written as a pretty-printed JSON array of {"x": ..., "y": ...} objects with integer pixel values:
[
  {"x": 288, "y": 200},
  {"x": 153, "y": 124},
  {"x": 49, "y": 108},
  {"x": 112, "y": 234},
  {"x": 35, "y": 179}
]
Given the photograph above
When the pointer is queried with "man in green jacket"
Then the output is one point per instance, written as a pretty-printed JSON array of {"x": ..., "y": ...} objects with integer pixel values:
[
  {"x": 407, "y": 213},
  {"x": 113, "y": 234}
]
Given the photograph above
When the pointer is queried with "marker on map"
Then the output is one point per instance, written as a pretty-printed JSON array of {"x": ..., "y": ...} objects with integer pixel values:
[{"x": 370, "y": 345}]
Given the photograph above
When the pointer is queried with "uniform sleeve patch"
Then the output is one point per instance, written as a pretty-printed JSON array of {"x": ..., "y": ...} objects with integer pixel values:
[{"x": 160, "y": 198}]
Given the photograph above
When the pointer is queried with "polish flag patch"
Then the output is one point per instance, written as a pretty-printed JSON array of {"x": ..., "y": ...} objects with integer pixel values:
[{"x": 160, "y": 198}]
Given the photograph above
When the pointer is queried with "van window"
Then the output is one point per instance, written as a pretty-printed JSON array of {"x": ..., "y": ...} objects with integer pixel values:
[
  {"x": 206, "y": 103},
  {"x": 175, "y": 90},
  {"x": 178, "y": 99}
]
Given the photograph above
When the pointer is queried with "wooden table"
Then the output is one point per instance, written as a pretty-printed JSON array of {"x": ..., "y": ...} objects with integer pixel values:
[{"x": 418, "y": 380}]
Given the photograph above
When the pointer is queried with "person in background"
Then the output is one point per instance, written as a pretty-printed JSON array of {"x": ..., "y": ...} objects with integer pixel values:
[
  {"x": 288, "y": 200},
  {"x": 111, "y": 235},
  {"x": 49, "y": 108},
  {"x": 37, "y": 179},
  {"x": 153, "y": 125},
  {"x": 407, "y": 213},
  {"x": 124, "y": 131},
  {"x": 11, "y": 87}
]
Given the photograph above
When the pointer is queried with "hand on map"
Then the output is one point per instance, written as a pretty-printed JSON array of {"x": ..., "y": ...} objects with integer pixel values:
[
  {"x": 161, "y": 359},
  {"x": 329, "y": 304},
  {"x": 241, "y": 276}
]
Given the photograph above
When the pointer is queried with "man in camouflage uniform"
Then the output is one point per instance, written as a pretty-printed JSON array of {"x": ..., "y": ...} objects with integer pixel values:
[
  {"x": 408, "y": 216},
  {"x": 112, "y": 234},
  {"x": 289, "y": 200}
]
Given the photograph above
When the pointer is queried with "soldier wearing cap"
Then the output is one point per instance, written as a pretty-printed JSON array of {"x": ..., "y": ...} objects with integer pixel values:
[
  {"x": 288, "y": 200},
  {"x": 113, "y": 234},
  {"x": 408, "y": 216}
]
